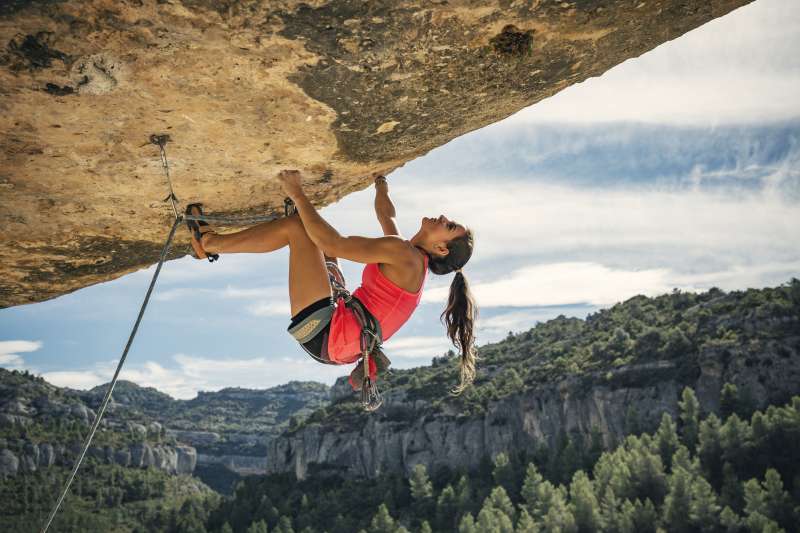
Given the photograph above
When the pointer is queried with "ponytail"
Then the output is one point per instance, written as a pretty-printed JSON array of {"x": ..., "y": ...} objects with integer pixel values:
[
  {"x": 459, "y": 319},
  {"x": 461, "y": 312}
]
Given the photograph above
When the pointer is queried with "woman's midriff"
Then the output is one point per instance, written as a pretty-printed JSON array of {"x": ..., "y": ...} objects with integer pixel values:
[{"x": 389, "y": 304}]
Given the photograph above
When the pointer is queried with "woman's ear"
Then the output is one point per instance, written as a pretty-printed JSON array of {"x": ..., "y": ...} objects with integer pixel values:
[{"x": 441, "y": 249}]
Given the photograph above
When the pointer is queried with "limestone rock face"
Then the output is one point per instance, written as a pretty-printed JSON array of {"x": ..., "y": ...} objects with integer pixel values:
[
  {"x": 244, "y": 88},
  {"x": 403, "y": 433}
]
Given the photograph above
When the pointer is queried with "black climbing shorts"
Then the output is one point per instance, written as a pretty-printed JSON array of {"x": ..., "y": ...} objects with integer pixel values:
[{"x": 311, "y": 327}]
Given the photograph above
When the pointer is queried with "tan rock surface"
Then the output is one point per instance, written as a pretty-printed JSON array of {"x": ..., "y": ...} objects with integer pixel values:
[{"x": 341, "y": 90}]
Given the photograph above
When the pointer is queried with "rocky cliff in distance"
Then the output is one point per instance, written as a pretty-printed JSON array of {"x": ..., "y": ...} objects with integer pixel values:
[
  {"x": 617, "y": 371},
  {"x": 339, "y": 89},
  {"x": 42, "y": 425}
]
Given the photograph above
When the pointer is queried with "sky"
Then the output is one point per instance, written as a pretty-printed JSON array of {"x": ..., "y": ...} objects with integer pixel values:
[{"x": 677, "y": 169}]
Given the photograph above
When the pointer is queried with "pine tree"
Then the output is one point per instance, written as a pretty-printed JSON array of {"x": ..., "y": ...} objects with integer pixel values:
[
  {"x": 704, "y": 510},
  {"x": 284, "y": 525},
  {"x": 678, "y": 501},
  {"x": 729, "y": 520},
  {"x": 690, "y": 418},
  {"x": 382, "y": 522},
  {"x": 530, "y": 486},
  {"x": 525, "y": 523},
  {"x": 611, "y": 512},
  {"x": 491, "y": 520},
  {"x": 627, "y": 513},
  {"x": 463, "y": 494},
  {"x": 583, "y": 503},
  {"x": 728, "y": 401},
  {"x": 421, "y": 486},
  {"x": 467, "y": 524},
  {"x": 734, "y": 434},
  {"x": 226, "y": 528},
  {"x": 425, "y": 527},
  {"x": 545, "y": 498},
  {"x": 446, "y": 509},
  {"x": 682, "y": 458},
  {"x": 667, "y": 440},
  {"x": 732, "y": 491},
  {"x": 257, "y": 527},
  {"x": 504, "y": 474},
  {"x": 645, "y": 516},
  {"x": 709, "y": 449},
  {"x": 777, "y": 501},
  {"x": 559, "y": 517},
  {"x": 754, "y": 498},
  {"x": 758, "y": 522},
  {"x": 498, "y": 499},
  {"x": 570, "y": 458}
]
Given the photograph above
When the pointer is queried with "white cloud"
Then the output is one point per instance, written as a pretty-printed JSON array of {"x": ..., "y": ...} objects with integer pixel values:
[
  {"x": 229, "y": 292},
  {"x": 75, "y": 379},
  {"x": 188, "y": 270},
  {"x": 10, "y": 350},
  {"x": 563, "y": 283},
  {"x": 514, "y": 219},
  {"x": 496, "y": 327},
  {"x": 271, "y": 308},
  {"x": 740, "y": 67},
  {"x": 598, "y": 285},
  {"x": 194, "y": 373},
  {"x": 416, "y": 347}
]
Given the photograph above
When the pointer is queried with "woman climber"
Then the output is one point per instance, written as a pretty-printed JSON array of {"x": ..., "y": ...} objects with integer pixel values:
[{"x": 392, "y": 280}]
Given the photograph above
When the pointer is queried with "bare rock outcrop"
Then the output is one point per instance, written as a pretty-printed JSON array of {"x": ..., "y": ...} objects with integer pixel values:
[
  {"x": 407, "y": 432},
  {"x": 30, "y": 457},
  {"x": 245, "y": 88}
]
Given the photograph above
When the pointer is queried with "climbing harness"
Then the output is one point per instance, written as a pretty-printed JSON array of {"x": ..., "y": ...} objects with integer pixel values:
[
  {"x": 370, "y": 337},
  {"x": 370, "y": 341}
]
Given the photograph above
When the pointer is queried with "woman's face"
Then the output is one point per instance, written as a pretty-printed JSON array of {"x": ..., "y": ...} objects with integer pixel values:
[{"x": 442, "y": 229}]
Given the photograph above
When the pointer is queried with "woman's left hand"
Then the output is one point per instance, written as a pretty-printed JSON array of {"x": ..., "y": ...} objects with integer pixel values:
[{"x": 291, "y": 182}]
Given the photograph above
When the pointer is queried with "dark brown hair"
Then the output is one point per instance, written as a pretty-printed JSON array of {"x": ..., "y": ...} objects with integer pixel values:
[{"x": 461, "y": 311}]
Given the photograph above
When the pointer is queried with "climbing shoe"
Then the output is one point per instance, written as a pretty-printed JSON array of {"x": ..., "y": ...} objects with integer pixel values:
[{"x": 196, "y": 230}]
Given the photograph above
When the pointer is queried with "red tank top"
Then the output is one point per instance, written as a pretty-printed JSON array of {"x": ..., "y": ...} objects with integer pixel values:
[{"x": 389, "y": 304}]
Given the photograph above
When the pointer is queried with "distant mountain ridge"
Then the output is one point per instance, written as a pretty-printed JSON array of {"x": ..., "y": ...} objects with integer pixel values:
[{"x": 42, "y": 425}]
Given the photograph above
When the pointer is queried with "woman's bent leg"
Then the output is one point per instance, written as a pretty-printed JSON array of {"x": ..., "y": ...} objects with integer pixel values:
[
  {"x": 308, "y": 276},
  {"x": 264, "y": 237}
]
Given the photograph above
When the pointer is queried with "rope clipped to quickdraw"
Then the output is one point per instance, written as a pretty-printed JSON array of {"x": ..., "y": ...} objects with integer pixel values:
[{"x": 161, "y": 141}]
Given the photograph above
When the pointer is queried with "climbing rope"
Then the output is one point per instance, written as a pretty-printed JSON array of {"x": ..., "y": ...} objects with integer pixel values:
[{"x": 87, "y": 442}]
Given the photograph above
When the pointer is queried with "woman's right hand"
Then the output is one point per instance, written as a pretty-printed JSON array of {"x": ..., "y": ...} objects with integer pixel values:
[
  {"x": 290, "y": 182},
  {"x": 381, "y": 183}
]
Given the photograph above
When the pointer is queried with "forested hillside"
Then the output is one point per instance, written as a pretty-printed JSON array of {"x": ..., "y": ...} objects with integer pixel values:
[
  {"x": 712, "y": 473},
  {"x": 680, "y": 412}
]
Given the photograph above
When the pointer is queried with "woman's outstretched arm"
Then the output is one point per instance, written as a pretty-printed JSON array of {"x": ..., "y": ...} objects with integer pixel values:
[
  {"x": 384, "y": 208},
  {"x": 390, "y": 249}
]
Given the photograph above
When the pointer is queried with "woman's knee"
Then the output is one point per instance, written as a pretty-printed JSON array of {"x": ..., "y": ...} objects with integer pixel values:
[{"x": 295, "y": 229}]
